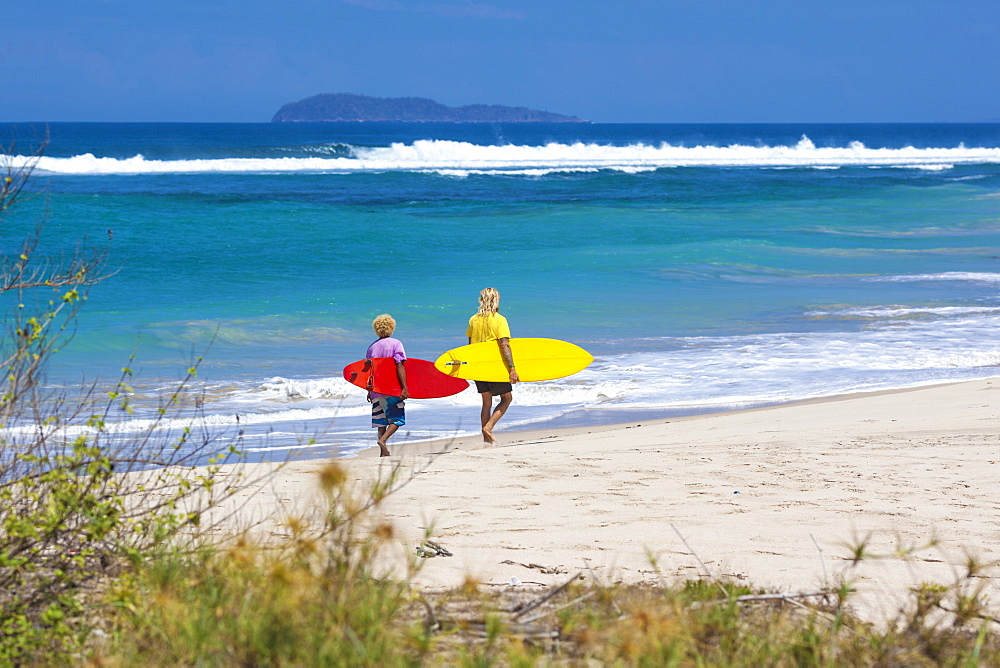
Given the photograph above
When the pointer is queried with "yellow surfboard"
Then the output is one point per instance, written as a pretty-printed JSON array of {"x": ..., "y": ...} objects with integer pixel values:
[{"x": 534, "y": 359}]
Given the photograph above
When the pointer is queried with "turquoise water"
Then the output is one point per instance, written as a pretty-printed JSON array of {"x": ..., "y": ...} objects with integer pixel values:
[{"x": 706, "y": 267}]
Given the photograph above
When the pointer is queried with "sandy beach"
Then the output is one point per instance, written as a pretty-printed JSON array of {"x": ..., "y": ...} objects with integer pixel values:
[{"x": 774, "y": 496}]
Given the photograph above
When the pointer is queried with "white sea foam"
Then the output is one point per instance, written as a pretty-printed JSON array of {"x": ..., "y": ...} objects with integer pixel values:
[
  {"x": 906, "y": 311},
  {"x": 463, "y": 158},
  {"x": 972, "y": 276},
  {"x": 896, "y": 348},
  {"x": 934, "y": 167},
  {"x": 893, "y": 346},
  {"x": 215, "y": 420},
  {"x": 291, "y": 388}
]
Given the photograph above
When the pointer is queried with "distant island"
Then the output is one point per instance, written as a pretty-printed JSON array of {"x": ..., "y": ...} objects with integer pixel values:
[{"x": 346, "y": 107}]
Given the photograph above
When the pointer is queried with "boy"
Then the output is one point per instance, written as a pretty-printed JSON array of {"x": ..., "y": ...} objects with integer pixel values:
[{"x": 388, "y": 413}]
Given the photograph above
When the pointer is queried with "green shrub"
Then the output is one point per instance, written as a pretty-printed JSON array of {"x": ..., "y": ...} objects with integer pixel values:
[
  {"x": 73, "y": 507},
  {"x": 316, "y": 599}
]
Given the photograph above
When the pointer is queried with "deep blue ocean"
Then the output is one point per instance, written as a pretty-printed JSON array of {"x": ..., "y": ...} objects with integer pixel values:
[{"x": 706, "y": 267}]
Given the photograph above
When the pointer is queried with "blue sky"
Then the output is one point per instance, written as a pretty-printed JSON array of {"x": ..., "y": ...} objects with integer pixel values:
[{"x": 606, "y": 61}]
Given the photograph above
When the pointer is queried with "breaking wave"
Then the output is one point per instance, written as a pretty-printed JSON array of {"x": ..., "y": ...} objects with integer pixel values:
[{"x": 458, "y": 158}]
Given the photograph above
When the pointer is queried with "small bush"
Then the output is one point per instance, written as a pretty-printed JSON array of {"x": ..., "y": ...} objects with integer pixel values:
[
  {"x": 76, "y": 502},
  {"x": 317, "y": 599}
]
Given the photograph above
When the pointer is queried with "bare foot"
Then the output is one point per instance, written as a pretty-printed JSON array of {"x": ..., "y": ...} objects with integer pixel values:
[
  {"x": 383, "y": 450},
  {"x": 488, "y": 436}
]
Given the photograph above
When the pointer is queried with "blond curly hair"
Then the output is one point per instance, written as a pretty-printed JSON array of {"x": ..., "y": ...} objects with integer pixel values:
[
  {"x": 489, "y": 301},
  {"x": 384, "y": 325}
]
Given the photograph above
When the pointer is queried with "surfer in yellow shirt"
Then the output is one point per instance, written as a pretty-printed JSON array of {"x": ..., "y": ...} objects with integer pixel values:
[{"x": 488, "y": 325}]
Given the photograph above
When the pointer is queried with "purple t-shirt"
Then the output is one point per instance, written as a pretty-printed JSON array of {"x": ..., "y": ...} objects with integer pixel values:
[{"x": 386, "y": 347}]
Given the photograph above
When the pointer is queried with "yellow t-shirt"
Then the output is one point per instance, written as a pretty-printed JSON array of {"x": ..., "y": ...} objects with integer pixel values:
[{"x": 487, "y": 328}]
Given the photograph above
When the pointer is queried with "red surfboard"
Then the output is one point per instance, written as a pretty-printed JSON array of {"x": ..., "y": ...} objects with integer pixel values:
[{"x": 422, "y": 379}]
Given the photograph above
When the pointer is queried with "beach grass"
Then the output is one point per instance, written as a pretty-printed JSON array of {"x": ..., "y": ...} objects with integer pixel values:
[{"x": 318, "y": 597}]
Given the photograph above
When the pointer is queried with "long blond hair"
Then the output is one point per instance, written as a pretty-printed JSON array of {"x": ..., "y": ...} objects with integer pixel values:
[{"x": 489, "y": 301}]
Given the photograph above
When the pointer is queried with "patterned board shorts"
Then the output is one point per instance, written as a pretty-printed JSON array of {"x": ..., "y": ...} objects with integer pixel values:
[{"x": 388, "y": 410}]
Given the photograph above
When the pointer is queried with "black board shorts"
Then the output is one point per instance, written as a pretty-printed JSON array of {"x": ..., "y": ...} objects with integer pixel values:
[{"x": 495, "y": 388}]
